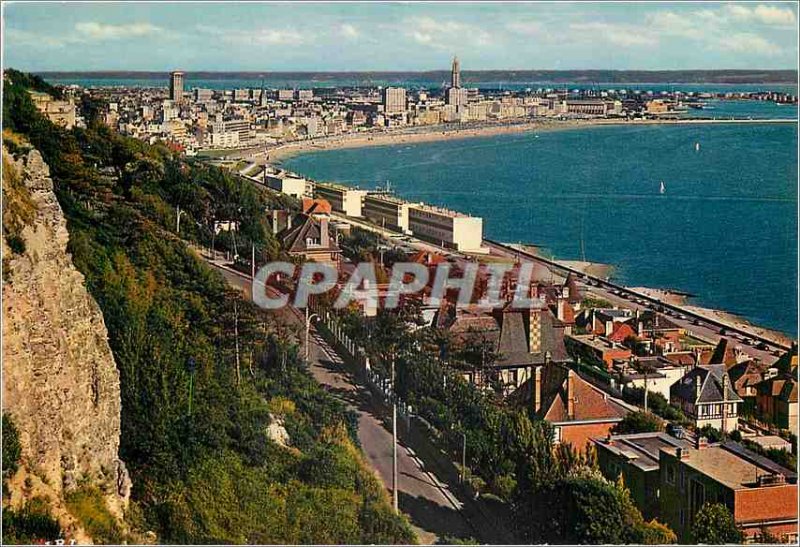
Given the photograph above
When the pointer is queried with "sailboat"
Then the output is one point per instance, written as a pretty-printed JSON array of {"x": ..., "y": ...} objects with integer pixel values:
[
  {"x": 697, "y": 147},
  {"x": 662, "y": 189}
]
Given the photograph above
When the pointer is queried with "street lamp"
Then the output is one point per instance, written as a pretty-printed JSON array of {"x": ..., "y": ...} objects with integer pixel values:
[
  {"x": 191, "y": 367},
  {"x": 394, "y": 442},
  {"x": 308, "y": 327},
  {"x": 178, "y": 213}
]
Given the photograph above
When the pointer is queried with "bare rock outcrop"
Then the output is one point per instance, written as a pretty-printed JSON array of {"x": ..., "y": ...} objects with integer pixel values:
[{"x": 61, "y": 385}]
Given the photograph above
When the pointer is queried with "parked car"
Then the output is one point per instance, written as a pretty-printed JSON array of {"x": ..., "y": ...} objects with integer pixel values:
[{"x": 676, "y": 431}]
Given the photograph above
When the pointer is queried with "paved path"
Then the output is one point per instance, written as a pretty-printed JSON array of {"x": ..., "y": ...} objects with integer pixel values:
[{"x": 432, "y": 508}]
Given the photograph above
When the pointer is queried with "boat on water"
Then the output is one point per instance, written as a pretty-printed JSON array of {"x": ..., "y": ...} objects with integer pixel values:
[
  {"x": 697, "y": 147},
  {"x": 662, "y": 189}
]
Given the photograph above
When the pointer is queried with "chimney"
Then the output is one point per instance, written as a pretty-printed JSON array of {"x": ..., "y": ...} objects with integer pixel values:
[
  {"x": 324, "y": 237},
  {"x": 725, "y": 402},
  {"x": 570, "y": 394},
  {"x": 537, "y": 389},
  {"x": 697, "y": 387},
  {"x": 535, "y": 330},
  {"x": 701, "y": 443}
]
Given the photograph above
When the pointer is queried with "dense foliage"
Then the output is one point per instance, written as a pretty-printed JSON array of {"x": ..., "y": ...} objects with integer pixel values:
[
  {"x": 639, "y": 422},
  {"x": 714, "y": 525},
  {"x": 198, "y": 365},
  {"x": 11, "y": 448},
  {"x": 656, "y": 403}
]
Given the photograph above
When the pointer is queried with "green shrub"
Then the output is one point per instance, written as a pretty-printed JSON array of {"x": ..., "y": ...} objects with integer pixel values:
[
  {"x": 88, "y": 505},
  {"x": 11, "y": 447},
  {"x": 32, "y": 523}
]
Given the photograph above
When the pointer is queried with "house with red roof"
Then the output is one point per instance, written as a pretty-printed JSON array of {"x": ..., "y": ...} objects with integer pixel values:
[{"x": 577, "y": 409}]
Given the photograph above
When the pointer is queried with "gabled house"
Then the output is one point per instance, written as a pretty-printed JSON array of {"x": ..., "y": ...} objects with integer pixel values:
[
  {"x": 309, "y": 237},
  {"x": 519, "y": 338},
  {"x": 578, "y": 410},
  {"x": 776, "y": 401},
  {"x": 745, "y": 377},
  {"x": 707, "y": 396}
]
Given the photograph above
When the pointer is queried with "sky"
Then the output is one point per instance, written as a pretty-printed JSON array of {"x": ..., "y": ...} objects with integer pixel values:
[{"x": 345, "y": 36}]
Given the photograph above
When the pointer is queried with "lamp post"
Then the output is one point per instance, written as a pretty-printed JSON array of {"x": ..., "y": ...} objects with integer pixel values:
[
  {"x": 191, "y": 367},
  {"x": 178, "y": 214},
  {"x": 308, "y": 328},
  {"x": 394, "y": 443}
]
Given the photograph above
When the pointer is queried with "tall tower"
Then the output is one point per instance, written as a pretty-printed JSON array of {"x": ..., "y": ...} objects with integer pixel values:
[
  {"x": 455, "y": 73},
  {"x": 176, "y": 86}
]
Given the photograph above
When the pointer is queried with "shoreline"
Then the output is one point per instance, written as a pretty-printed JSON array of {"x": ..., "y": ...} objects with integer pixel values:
[{"x": 441, "y": 132}]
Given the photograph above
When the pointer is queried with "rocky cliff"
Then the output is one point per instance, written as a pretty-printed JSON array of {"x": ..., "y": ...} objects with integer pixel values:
[{"x": 61, "y": 384}]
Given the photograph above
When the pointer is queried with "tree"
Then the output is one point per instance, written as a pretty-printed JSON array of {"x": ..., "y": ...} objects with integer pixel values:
[
  {"x": 711, "y": 433},
  {"x": 11, "y": 447},
  {"x": 639, "y": 422},
  {"x": 714, "y": 525}
]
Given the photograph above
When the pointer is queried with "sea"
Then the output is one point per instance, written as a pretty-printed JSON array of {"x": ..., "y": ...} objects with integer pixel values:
[{"x": 725, "y": 229}]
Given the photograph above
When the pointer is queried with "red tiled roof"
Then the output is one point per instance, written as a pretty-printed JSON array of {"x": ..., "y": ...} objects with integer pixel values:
[
  {"x": 316, "y": 206},
  {"x": 621, "y": 332}
]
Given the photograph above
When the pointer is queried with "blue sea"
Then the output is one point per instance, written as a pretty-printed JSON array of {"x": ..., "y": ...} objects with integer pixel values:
[{"x": 725, "y": 230}]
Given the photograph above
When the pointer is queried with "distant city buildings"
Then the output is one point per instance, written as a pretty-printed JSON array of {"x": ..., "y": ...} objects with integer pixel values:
[
  {"x": 260, "y": 116},
  {"x": 176, "y": 86},
  {"x": 394, "y": 100}
]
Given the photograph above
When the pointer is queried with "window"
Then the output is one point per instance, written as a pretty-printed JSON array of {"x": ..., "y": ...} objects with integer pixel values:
[{"x": 670, "y": 474}]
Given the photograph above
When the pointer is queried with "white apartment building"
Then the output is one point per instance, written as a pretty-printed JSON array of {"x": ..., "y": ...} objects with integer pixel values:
[
  {"x": 387, "y": 211},
  {"x": 348, "y": 201},
  {"x": 287, "y": 183},
  {"x": 445, "y": 227}
]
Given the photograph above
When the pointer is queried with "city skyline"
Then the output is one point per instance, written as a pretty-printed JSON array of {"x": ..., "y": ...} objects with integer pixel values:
[{"x": 345, "y": 36}]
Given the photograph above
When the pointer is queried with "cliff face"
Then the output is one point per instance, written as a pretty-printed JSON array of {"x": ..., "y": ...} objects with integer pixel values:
[{"x": 61, "y": 384}]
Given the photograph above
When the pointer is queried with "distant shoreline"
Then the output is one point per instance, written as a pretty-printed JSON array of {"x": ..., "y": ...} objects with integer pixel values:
[{"x": 503, "y": 76}]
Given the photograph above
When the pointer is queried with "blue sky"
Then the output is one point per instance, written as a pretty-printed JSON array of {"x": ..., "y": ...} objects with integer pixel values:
[{"x": 399, "y": 36}]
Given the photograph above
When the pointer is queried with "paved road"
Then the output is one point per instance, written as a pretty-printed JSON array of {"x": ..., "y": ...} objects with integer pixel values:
[{"x": 432, "y": 508}]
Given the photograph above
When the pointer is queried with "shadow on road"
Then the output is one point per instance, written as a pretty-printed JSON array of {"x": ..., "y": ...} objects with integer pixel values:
[{"x": 430, "y": 516}]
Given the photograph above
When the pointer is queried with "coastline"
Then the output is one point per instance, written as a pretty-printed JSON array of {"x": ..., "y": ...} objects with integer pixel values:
[
  {"x": 440, "y": 133},
  {"x": 422, "y": 134}
]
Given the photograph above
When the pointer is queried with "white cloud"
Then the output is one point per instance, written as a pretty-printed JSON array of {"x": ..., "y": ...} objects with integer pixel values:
[
  {"x": 271, "y": 36},
  {"x": 525, "y": 27},
  {"x": 349, "y": 31},
  {"x": 747, "y": 42},
  {"x": 277, "y": 36},
  {"x": 450, "y": 35},
  {"x": 773, "y": 15},
  {"x": 764, "y": 14},
  {"x": 618, "y": 35},
  {"x": 693, "y": 25},
  {"x": 99, "y": 31}
]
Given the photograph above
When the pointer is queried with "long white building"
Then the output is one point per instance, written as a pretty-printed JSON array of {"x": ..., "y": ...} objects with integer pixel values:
[
  {"x": 343, "y": 199},
  {"x": 287, "y": 183},
  {"x": 445, "y": 227},
  {"x": 386, "y": 211}
]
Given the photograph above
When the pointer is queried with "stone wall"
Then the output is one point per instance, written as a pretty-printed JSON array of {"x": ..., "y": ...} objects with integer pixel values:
[{"x": 61, "y": 384}]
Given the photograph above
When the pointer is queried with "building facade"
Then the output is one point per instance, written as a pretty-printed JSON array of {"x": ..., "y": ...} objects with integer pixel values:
[
  {"x": 760, "y": 494},
  {"x": 445, "y": 227},
  {"x": 394, "y": 100},
  {"x": 176, "y": 86}
]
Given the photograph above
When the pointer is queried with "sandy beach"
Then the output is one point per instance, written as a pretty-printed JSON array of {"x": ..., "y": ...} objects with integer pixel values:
[{"x": 418, "y": 134}]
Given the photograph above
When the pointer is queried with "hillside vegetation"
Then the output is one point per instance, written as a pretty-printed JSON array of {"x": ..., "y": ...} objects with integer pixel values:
[{"x": 203, "y": 373}]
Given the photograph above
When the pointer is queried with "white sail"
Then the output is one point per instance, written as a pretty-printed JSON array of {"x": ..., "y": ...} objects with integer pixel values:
[
  {"x": 663, "y": 188},
  {"x": 697, "y": 146}
]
